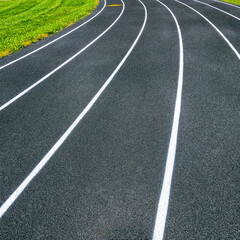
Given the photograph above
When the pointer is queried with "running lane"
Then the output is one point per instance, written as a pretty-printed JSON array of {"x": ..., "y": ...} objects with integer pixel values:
[{"x": 204, "y": 201}]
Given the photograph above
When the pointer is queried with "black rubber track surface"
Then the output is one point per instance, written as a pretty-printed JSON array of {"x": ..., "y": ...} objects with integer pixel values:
[{"x": 104, "y": 182}]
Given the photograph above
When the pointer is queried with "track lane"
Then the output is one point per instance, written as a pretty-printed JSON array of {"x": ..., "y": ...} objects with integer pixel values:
[
  {"x": 231, "y": 10},
  {"x": 218, "y": 9},
  {"x": 203, "y": 203},
  {"x": 232, "y": 35},
  {"x": 162, "y": 210}
]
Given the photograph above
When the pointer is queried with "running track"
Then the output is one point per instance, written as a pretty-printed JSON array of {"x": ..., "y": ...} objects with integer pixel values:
[{"x": 125, "y": 126}]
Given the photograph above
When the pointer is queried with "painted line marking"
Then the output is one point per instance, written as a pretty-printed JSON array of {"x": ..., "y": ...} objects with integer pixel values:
[
  {"x": 160, "y": 221},
  {"x": 114, "y": 5},
  {"x": 217, "y": 9},
  {"x": 58, "y": 144},
  {"x": 229, "y": 4},
  {"x": 222, "y": 35},
  {"x": 60, "y": 66},
  {"x": 18, "y": 59}
]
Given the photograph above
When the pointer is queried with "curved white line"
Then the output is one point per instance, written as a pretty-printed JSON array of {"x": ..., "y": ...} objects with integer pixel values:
[
  {"x": 218, "y": 9},
  {"x": 36, "y": 50},
  {"x": 227, "y": 41},
  {"x": 58, "y": 144},
  {"x": 60, "y": 66},
  {"x": 226, "y": 3},
  {"x": 166, "y": 187}
]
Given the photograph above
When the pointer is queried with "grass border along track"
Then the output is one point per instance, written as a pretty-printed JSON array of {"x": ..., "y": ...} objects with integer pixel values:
[
  {"x": 23, "y": 22},
  {"x": 236, "y": 2}
]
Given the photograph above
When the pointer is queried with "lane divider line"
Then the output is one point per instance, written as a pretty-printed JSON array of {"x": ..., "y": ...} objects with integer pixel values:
[
  {"x": 222, "y": 35},
  {"x": 218, "y": 9},
  {"x": 226, "y": 3},
  {"x": 58, "y": 144},
  {"x": 161, "y": 216},
  {"x": 38, "y": 49},
  {"x": 60, "y": 66}
]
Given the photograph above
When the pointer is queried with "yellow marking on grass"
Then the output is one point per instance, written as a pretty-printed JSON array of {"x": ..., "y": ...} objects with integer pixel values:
[
  {"x": 114, "y": 5},
  {"x": 27, "y": 43},
  {"x": 4, "y": 53},
  {"x": 44, "y": 35}
]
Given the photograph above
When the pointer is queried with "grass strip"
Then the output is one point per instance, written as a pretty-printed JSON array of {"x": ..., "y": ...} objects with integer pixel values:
[
  {"x": 23, "y": 22},
  {"x": 236, "y": 2}
]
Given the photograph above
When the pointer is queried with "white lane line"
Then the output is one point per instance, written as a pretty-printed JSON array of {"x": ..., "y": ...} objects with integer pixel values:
[
  {"x": 166, "y": 187},
  {"x": 227, "y": 4},
  {"x": 36, "y": 50},
  {"x": 60, "y": 66},
  {"x": 218, "y": 9},
  {"x": 58, "y": 144},
  {"x": 227, "y": 41}
]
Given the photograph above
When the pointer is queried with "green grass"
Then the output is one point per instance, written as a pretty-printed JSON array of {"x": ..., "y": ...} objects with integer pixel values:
[
  {"x": 23, "y": 22},
  {"x": 236, "y": 2}
]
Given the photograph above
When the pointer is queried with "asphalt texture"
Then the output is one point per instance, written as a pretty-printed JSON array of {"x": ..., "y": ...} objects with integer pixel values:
[{"x": 105, "y": 180}]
